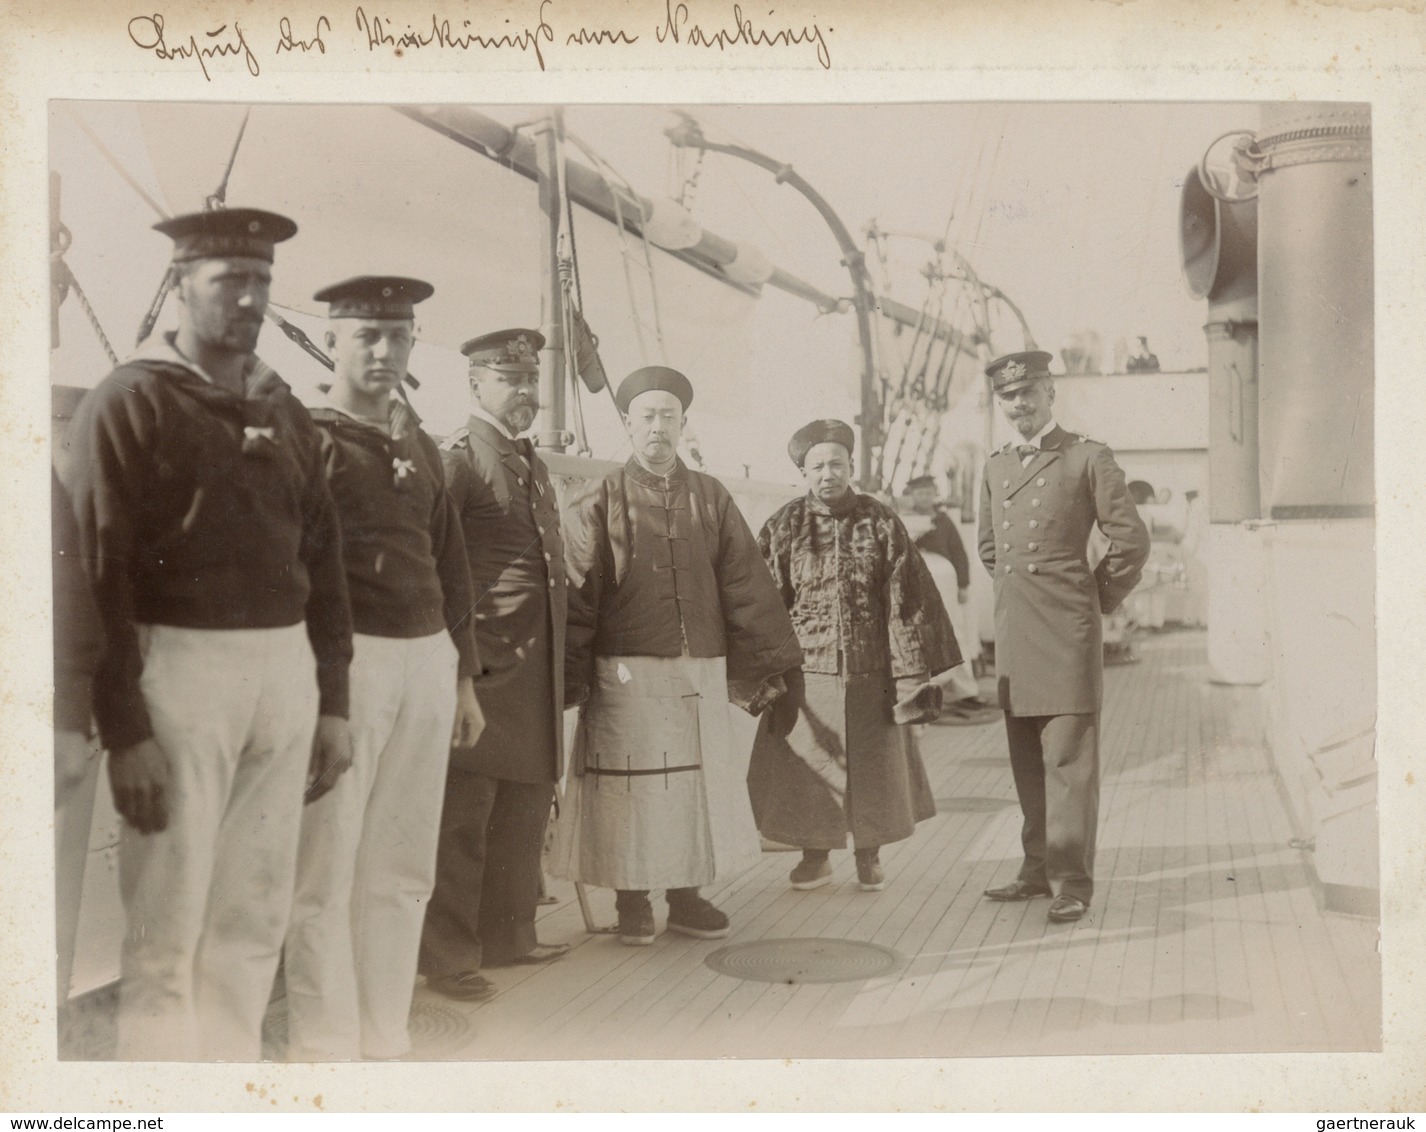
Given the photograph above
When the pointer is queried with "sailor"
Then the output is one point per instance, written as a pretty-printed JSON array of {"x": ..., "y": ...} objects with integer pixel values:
[
  {"x": 368, "y": 854},
  {"x": 212, "y": 548},
  {"x": 672, "y": 613},
  {"x": 1042, "y": 495},
  {"x": 499, "y": 790}
]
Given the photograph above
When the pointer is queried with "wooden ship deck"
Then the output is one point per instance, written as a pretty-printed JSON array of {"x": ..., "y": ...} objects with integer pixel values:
[{"x": 1204, "y": 936}]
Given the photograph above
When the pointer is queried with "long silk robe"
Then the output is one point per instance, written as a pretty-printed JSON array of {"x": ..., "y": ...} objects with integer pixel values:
[{"x": 672, "y": 613}]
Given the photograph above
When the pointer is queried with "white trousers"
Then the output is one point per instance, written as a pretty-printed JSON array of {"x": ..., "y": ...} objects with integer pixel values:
[
  {"x": 367, "y": 861},
  {"x": 207, "y": 898},
  {"x": 73, "y": 820}
]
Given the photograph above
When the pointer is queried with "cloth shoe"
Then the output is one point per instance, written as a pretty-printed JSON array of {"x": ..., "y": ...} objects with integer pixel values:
[
  {"x": 689, "y": 914},
  {"x": 636, "y": 919},
  {"x": 871, "y": 877},
  {"x": 813, "y": 871}
]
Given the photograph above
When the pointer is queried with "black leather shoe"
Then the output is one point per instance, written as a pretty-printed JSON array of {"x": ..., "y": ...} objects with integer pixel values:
[
  {"x": 1067, "y": 909},
  {"x": 540, "y": 953},
  {"x": 1018, "y": 890},
  {"x": 463, "y": 986}
]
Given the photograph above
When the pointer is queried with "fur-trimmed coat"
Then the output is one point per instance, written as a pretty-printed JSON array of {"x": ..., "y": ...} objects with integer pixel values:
[
  {"x": 855, "y": 584},
  {"x": 872, "y": 625}
]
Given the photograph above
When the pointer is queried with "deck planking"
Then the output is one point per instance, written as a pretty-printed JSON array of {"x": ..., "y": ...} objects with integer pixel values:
[{"x": 1204, "y": 934}]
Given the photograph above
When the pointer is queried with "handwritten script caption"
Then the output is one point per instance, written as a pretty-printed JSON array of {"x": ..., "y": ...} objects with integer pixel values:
[{"x": 231, "y": 45}]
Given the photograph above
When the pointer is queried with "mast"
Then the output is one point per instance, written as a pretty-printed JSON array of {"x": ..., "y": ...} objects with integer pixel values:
[{"x": 552, "y": 369}]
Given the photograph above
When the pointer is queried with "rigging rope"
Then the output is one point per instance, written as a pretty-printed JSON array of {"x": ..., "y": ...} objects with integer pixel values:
[
  {"x": 613, "y": 182},
  {"x": 63, "y": 281},
  {"x": 73, "y": 285},
  {"x": 118, "y": 166}
]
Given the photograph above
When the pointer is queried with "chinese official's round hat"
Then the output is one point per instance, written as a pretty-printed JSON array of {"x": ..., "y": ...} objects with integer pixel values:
[
  {"x": 374, "y": 296},
  {"x": 654, "y": 377},
  {"x": 249, "y": 233},
  {"x": 1014, "y": 370},
  {"x": 510, "y": 351},
  {"x": 829, "y": 431}
]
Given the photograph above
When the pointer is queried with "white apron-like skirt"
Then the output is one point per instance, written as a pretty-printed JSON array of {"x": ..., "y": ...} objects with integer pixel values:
[{"x": 657, "y": 795}]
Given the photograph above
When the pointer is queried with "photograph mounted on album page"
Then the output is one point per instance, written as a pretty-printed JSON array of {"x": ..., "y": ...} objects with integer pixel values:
[{"x": 554, "y": 560}]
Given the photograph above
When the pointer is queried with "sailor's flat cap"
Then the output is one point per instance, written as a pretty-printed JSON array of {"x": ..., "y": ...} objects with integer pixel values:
[
  {"x": 249, "y": 233},
  {"x": 374, "y": 296}
]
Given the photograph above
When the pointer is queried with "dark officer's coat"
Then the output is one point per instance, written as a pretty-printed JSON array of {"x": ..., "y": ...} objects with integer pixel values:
[
  {"x": 1035, "y": 523},
  {"x": 510, "y": 519}
]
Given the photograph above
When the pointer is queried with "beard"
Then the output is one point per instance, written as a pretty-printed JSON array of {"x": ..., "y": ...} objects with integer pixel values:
[
  {"x": 520, "y": 417},
  {"x": 236, "y": 335}
]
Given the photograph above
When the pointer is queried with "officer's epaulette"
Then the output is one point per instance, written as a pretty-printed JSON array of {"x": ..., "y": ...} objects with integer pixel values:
[
  {"x": 1079, "y": 436},
  {"x": 457, "y": 439},
  {"x": 1008, "y": 447}
]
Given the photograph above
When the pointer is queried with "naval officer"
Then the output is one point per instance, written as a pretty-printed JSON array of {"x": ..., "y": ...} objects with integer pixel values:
[
  {"x": 1040, "y": 498},
  {"x": 500, "y": 789}
]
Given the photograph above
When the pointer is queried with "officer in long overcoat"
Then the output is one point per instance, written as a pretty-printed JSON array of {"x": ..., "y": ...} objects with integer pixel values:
[
  {"x": 1040, "y": 498},
  {"x": 499, "y": 792}
]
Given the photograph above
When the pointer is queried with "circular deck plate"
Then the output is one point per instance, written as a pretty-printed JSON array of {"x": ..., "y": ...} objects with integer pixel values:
[
  {"x": 434, "y": 1024},
  {"x": 804, "y": 960}
]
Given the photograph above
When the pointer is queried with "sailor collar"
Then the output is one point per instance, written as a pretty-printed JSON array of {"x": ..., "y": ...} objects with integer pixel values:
[{"x": 258, "y": 376}]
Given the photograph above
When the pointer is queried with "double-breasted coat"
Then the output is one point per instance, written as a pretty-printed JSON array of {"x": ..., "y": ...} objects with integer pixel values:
[
  {"x": 1036, "y": 516},
  {"x": 510, "y": 519},
  {"x": 1035, "y": 522},
  {"x": 498, "y": 792}
]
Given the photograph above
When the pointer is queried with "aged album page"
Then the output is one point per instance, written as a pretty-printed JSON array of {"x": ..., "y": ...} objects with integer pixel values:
[{"x": 891, "y": 109}]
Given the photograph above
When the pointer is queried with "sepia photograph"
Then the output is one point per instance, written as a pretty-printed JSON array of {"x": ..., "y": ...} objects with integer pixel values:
[{"x": 619, "y": 581}]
